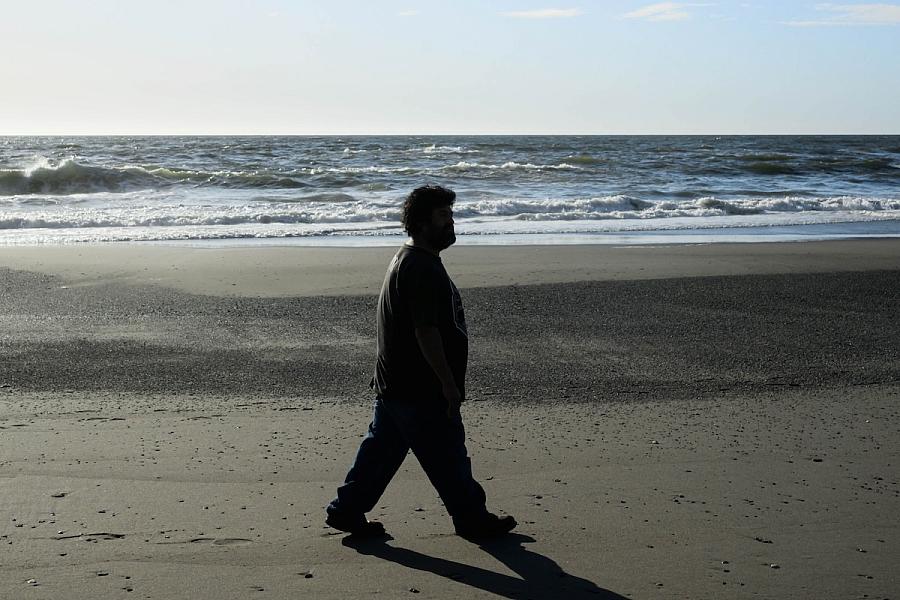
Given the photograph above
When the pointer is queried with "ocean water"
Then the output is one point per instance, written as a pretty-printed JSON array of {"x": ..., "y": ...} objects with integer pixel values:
[{"x": 511, "y": 189}]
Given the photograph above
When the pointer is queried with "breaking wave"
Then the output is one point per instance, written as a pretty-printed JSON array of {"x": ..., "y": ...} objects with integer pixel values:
[
  {"x": 338, "y": 208},
  {"x": 624, "y": 207},
  {"x": 72, "y": 178}
]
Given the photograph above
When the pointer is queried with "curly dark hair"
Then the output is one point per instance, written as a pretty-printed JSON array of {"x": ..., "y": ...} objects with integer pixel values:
[{"x": 421, "y": 202}]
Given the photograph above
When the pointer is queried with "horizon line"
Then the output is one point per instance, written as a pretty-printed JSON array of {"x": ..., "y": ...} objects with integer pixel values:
[{"x": 431, "y": 134}]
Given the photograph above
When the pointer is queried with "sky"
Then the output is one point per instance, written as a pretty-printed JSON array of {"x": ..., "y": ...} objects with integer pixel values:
[{"x": 463, "y": 67}]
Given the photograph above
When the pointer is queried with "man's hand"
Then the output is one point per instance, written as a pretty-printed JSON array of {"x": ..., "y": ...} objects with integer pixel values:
[{"x": 454, "y": 399}]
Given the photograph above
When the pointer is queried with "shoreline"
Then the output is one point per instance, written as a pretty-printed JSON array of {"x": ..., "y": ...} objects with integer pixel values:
[{"x": 821, "y": 232}]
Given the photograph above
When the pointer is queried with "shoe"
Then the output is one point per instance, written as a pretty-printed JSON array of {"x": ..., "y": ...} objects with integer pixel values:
[
  {"x": 484, "y": 527},
  {"x": 359, "y": 526}
]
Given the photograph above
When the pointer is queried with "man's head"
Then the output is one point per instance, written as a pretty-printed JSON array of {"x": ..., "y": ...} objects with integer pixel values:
[{"x": 428, "y": 216}]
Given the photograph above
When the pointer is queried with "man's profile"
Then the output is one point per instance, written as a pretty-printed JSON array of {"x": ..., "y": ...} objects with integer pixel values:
[{"x": 419, "y": 382}]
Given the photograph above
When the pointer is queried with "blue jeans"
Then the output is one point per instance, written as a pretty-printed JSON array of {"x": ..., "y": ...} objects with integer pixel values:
[{"x": 437, "y": 441}]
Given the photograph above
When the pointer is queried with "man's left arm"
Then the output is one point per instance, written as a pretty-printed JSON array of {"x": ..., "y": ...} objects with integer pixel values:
[{"x": 432, "y": 346}]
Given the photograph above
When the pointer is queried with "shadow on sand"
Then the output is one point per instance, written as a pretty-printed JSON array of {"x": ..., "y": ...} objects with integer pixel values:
[{"x": 539, "y": 577}]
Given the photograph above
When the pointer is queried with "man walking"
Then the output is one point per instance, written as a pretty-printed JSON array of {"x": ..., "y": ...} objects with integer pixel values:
[{"x": 419, "y": 382}]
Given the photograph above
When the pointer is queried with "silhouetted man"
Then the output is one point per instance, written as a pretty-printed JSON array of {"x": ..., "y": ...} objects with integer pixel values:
[{"x": 419, "y": 382}]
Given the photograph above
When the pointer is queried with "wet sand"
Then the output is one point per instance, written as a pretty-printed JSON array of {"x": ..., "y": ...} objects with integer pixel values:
[{"x": 696, "y": 421}]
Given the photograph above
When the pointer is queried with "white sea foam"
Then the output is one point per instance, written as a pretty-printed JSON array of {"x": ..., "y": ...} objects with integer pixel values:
[
  {"x": 435, "y": 149},
  {"x": 601, "y": 207},
  {"x": 626, "y": 207},
  {"x": 472, "y": 229},
  {"x": 508, "y": 166},
  {"x": 192, "y": 216},
  {"x": 172, "y": 217},
  {"x": 359, "y": 170},
  {"x": 458, "y": 167},
  {"x": 39, "y": 162}
]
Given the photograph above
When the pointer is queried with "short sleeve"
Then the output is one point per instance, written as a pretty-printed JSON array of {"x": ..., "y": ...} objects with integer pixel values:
[{"x": 423, "y": 290}]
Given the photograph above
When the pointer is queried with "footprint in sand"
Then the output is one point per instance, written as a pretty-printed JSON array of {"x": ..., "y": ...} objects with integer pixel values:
[
  {"x": 91, "y": 537},
  {"x": 221, "y": 541},
  {"x": 212, "y": 541}
]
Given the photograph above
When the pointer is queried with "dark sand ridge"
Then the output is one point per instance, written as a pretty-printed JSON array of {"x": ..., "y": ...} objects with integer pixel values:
[
  {"x": 175, "y": 443},
  {"x": 603, "y": 340}
]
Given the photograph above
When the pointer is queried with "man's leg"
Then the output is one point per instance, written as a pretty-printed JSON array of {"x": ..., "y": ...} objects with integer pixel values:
[
  {"x": 379, "y": 456},
  {"x": 439, "y": 444}
]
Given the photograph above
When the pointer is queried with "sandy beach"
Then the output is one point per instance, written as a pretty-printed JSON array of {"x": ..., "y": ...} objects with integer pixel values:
[{"x": 710, "y": 421}]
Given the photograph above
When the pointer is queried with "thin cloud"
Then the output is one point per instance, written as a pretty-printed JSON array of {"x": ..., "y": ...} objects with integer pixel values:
[
  {"x": 544, "y": 13},
  {"x": 663, "y": 11},
  {"x": 407, "y": 13},
  {"x": 853, "y": 14}
]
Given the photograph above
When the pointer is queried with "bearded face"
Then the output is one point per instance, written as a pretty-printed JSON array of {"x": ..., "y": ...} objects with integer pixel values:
[
  {"x": 440, "y": 238},
  {"x": 439, "y": 232}
]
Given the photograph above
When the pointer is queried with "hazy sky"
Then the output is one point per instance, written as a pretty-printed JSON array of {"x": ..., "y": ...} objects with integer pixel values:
[{"x": 416, "y": 66}]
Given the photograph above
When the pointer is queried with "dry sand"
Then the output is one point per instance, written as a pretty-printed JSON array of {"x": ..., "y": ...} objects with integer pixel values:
[
  {"x": 720, "y": 424},
  {"x": 310, "y": 271}
]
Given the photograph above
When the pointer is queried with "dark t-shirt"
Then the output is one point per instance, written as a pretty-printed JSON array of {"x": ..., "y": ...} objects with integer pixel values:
[{"x": 417, "y": 292}]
